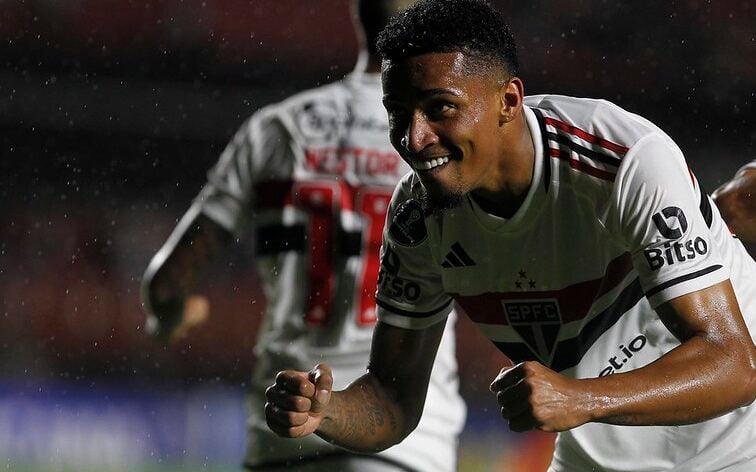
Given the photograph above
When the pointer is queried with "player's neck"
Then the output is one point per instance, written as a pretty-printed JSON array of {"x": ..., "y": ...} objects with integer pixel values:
[
  {"x": 515, "y": 169},
  {"x": 368, "y": 63},
  {"x": 373, "y": 64}
]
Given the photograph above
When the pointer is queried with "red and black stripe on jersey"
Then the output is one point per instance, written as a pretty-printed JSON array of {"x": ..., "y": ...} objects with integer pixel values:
[
  {"x": 568, "y": 353},
  {"x": 563, "y": 141},
  {"x": 575, "y": 302}
]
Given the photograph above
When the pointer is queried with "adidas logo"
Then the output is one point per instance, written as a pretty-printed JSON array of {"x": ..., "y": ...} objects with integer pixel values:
[{"x": 457, "y": 257}]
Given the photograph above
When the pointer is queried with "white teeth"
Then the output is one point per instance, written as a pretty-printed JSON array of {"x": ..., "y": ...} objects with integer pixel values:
[{"x": 427, "y": 165}]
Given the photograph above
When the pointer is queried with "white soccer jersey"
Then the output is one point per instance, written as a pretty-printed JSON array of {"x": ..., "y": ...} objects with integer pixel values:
[
  {"x": 614, "y": 224},
  {"x": 314, "y": 175}
]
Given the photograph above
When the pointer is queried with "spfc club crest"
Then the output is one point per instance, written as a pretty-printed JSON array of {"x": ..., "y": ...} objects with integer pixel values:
[{"x": 537, "y": 322}]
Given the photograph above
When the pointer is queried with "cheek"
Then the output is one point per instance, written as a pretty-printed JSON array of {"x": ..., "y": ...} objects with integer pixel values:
[
  {"x": 485, "y": 133},
  {"x": 476, "y": 127}
]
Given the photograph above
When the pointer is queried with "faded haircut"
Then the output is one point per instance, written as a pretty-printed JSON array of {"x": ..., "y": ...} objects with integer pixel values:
[{"x": 471, "y": 27}]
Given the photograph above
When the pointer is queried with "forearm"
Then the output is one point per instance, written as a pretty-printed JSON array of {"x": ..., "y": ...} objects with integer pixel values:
[
  {"x": 384, "y": 405},
  {"x": 698, "y": 380},
  {"x": 365, "y": 417},
  {"x": 176, "y": 268}
]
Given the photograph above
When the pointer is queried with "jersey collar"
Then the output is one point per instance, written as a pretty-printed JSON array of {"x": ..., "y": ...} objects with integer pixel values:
[{"x": 536, "y": 193}]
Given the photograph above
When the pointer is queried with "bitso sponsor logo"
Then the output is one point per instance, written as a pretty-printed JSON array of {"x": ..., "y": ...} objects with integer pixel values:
[
  {"x": 678, "y": 251},
  {"x": 397, "y": 288},
  {"x": 320, "y": 120},
  {"x": 671, "y": 213},
  {"x": 389, "y": 282},
  {"x": 618, "y": 362},
  {"x": 672, "y": 224},
  {"x": 390, "y": 261}
]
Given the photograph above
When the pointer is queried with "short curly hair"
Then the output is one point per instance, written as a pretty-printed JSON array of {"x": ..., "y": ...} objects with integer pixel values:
[{"x": 472, "y": 27}]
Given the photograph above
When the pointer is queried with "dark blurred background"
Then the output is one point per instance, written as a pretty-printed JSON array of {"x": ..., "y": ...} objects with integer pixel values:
[{"x": 111, "y": 112}]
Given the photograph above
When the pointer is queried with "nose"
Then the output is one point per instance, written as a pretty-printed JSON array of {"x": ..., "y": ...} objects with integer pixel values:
[{"x": 419, "y": 134}]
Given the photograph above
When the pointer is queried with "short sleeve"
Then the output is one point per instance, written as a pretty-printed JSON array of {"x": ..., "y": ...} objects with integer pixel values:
[
  {"x": 662, "y": 220},
  {"x": 260, "y": 144},
  {"x": 410, "y": 292}
]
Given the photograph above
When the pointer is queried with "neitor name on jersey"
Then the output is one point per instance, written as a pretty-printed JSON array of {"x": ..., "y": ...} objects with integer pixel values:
[{"x": 361, "y": 161}]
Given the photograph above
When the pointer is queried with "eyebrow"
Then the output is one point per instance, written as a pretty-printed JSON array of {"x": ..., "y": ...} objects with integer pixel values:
[
  {"x": 439, "y": 91},
  {"x": 424, "y": 94}
]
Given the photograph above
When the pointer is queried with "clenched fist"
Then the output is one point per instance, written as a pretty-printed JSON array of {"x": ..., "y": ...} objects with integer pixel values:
[
  {"x": 532, "y": 396},
  {"x": 295, "y": 402}
]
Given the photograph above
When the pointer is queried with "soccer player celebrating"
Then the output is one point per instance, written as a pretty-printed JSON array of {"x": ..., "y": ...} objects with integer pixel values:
[
  {"x": 314, "y": 176},
  {"x": 573, "y": 233},
  {"x": 736, "y": 200}
]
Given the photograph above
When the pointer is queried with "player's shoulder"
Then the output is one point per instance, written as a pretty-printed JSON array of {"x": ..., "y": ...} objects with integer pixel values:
[
  {"x": 321, "y": 95},
  {"x": 406, "y": 225},
  {"x": 307, "y": 110},
  {"x": 592, "y": 119},
  {"x": 750, "y": 167},
  {"x": 406, "y": 189}
]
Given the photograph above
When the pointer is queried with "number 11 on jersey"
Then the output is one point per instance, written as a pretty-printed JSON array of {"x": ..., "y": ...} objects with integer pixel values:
[{"x": 324, "y": 203}]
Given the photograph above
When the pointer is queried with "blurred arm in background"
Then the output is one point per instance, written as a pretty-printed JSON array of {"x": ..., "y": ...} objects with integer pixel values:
[
  {"x": 174, "y": 272},
  {"x": 736, "y": 200}
]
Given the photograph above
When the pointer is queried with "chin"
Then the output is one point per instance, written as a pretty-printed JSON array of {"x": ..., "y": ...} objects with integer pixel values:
[{"x": 436, "y": 200}]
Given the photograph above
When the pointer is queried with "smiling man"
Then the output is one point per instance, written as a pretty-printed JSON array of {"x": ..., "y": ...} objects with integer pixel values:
[{"x": 574, "y": 234}]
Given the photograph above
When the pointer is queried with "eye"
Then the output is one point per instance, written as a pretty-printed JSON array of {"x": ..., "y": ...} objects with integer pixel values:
[
  {"x": 394, "y": 107},
  {"x": 441, "y": 109},
  {"x": 397, "y": 116}
]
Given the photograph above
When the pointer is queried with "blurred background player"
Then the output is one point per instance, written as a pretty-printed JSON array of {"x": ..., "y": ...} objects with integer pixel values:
[
  {"x": 736, "y": 200},
  {"x": 313, "y": 175}
]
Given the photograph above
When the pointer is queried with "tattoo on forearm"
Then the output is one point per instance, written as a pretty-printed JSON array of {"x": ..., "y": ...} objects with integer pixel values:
[{"x": 364, "y": 416}]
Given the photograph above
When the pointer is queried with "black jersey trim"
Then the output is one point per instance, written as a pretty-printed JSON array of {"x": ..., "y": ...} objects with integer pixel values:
[
  {"x": 291, "y": 464},
  {"x": 569, "y": 352},
  {"x": 273, "y": 239},
  {"x": 350, "y": 243},
  {"x": 565, "y": 140},
  {"x": 682, "y": 278},
  {"x": 412, "y": 314},
  {"x": 705, "y": 206},
  {"x": 545, "y": 145}
]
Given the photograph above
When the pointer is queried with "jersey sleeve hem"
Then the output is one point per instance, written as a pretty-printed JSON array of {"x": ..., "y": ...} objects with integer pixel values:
[
  {"x": 685, "y": 284},
  {"x": 409, "y": 319},
  {"x": 220, "y": 212}
]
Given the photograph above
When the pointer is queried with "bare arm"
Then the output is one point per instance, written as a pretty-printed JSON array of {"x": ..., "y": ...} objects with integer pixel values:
[
  {"x": 374, "y": 412},
  {"x": 711, "y": 373},
  {"x": 174, "y": 271},
  {"x": 736, "y": 201}
]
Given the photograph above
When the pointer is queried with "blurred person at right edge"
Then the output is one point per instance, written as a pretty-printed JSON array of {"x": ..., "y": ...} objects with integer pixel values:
[
  {"x": 736, "y": 200},
  {"x": 313, "y": 175}
]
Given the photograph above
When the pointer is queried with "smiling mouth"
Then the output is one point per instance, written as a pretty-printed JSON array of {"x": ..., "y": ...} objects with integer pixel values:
[{"x": 430, "y": 164}]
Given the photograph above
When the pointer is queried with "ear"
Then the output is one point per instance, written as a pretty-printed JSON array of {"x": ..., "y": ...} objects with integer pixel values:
[{"x": 511, "y": 95}]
